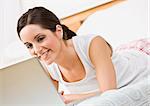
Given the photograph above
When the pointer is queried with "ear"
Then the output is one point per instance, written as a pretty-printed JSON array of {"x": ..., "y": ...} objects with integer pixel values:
[{"x": 59, "y": 31}]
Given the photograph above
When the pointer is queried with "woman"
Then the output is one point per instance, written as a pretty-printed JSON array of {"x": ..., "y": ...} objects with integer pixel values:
[{"x": 83, "y": 65}]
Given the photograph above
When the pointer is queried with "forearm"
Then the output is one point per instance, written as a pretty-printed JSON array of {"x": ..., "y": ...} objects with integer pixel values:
[
  {"x": 86, "y": 95},
  {"x": 75, "y": 97}
]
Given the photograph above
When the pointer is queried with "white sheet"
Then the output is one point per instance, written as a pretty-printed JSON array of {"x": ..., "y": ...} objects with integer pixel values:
[
  {"x": 135, "y": 95},
  {"x": 120, "y": 24}
]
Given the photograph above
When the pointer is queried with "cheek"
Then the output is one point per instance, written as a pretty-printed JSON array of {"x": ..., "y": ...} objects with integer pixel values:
[{"x": 52, "y": 43}]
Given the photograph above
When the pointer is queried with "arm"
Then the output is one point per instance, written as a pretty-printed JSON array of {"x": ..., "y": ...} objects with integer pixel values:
[
  {"x": 105, "y": 73},
  {"x": 101, "y": 59},
  {"x": 67, "y": 98}
]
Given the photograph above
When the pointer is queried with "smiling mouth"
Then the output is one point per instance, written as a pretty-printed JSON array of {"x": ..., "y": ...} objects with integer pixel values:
[{"x": 44, "y": 55}]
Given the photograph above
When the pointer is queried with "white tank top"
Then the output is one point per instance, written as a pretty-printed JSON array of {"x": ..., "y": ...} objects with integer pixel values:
[{"x": 130, "y": 67}]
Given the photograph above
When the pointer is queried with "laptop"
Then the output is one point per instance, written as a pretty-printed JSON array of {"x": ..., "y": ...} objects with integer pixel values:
[{"x": 27, "y": 84}]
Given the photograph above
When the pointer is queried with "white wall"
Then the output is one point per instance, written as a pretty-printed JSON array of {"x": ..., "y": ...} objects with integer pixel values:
[
  {"x": 63, "y": 8},
  {"x": 10, "y": 10},
  {"x": 11, "y": 49}
]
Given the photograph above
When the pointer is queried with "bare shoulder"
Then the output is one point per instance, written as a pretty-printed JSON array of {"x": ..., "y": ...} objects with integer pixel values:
[
  {"x": 99, "y": 43},
  {"x": 99, "y": 48},
  {"x": 98, "y": 40}
]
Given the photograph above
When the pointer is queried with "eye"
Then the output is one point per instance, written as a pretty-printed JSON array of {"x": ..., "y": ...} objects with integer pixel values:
[
  {"x": 29, "y": 45},
  {"x": 40, "y": 39}
]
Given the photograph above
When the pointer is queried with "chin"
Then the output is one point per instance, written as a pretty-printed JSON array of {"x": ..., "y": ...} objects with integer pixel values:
[{"x": 48, "y": 62}]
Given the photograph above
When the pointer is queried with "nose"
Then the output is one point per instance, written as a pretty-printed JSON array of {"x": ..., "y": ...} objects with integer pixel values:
[{"x": 37, "y": 50}]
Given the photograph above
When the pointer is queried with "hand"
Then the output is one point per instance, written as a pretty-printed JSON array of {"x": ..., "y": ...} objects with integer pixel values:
[{"x": 67, "y": 98}]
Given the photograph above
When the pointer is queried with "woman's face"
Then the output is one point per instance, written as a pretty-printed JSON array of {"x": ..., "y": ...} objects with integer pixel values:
[{"x": 41, "y": 42}]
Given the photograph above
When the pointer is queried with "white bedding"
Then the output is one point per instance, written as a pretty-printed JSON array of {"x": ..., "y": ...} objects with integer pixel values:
[
  {"x": 119, "y": 25},
  {"x": 129, "y": 96}
]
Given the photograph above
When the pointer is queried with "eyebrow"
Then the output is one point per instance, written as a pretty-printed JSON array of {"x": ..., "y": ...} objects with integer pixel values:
[
  {"x": 33, "y": 39},
  {"x": 36, "y": 36},
  {"x": 25, "y": 43}
]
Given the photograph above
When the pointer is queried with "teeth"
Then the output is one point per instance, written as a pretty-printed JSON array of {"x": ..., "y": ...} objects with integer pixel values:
[{"x": 44, "y": 55}]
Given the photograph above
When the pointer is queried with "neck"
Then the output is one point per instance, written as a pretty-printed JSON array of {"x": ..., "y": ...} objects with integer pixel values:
[{"x": 67, "y": 58}]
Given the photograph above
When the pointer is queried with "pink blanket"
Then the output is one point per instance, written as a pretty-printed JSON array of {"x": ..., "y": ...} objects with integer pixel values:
[{"x": 142, "y": 45}]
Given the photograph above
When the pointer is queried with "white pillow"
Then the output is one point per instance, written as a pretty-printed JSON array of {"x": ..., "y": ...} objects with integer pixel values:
[{"x": 120, "y": 23}]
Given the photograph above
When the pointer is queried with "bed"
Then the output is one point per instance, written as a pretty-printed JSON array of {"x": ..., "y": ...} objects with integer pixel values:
[
  {"x": 119, "y": 24},
  {"x": 122, "y": 25}
]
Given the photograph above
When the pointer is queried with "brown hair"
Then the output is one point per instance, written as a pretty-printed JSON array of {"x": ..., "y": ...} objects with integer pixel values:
[{"x": 45, "y": 18}]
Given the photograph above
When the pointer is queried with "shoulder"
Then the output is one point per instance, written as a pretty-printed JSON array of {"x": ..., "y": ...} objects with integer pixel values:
[
  {"x": 99, "y": 49},
  {"x": 98, "y": 41},
  {"x": 84, "y": 40},
  {"x": 90, "y": 42},
  {"x": 84, "y": 37},
  {"x": 86, "y": 44}
]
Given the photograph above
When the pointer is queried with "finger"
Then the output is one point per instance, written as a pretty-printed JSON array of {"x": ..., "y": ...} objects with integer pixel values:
[{"x": 61, "y": 92}]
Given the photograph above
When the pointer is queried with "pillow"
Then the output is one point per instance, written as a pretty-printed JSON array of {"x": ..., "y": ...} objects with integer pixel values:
[{"x": 119, "y": 24}]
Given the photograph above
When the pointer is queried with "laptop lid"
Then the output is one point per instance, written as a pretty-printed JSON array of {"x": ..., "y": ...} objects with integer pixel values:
[{"x": 27, "y": 83}]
